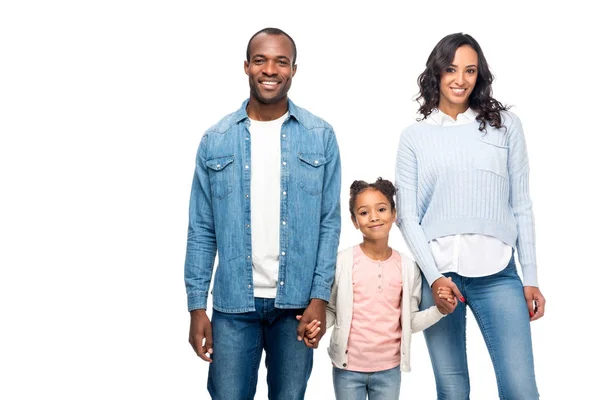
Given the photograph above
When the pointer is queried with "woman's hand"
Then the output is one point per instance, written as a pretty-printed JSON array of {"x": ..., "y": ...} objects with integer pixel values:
[{"x": 535, "y": 302}]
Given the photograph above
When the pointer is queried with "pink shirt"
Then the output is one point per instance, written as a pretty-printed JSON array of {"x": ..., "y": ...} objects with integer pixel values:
[{"x": 375, "y": 332}]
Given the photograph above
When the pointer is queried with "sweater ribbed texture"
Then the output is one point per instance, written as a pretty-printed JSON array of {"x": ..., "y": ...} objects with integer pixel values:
[{"x": 457, "y": 180}]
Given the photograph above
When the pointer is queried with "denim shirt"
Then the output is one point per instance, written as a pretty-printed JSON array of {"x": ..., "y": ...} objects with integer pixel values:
[{"x": 219, "y": 217}]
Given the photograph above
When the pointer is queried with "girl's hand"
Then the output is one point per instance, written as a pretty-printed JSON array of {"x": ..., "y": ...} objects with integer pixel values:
[{"x": 444, "y": 292}]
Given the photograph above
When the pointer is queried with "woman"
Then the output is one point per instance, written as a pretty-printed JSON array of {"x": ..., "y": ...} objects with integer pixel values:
[{"x": 462, "y": 177}]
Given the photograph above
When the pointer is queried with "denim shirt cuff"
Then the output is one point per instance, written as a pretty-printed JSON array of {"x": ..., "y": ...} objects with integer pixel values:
[
  {"x": 197, "y": 301},
  {"x": 322, "y": 292}
]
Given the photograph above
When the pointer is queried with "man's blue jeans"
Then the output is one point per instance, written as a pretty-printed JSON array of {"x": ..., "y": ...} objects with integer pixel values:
[
  {"x": 239, "y": 340},
  {"x": 353, "y": 385},
  {"x": 498, "y": 304}
]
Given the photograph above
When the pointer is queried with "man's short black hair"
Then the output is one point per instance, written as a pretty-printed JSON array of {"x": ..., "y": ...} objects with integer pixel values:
[{"x": 272, "y": 31}]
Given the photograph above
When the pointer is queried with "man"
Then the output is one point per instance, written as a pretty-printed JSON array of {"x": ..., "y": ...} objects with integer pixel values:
[{"x": 265, "y": 196}]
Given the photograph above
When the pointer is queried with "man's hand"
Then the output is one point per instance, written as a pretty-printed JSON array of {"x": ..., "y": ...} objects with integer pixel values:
[
  {"x": 201, "y": 334},
  {"x": 535, "y": 302},
  {"x": 442, "y": 304},
  {"x": 314, "y": 311}
]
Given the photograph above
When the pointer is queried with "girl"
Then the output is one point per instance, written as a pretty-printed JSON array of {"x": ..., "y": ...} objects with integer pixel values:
[
  {"x": 463, "y": 186},
  {"x": 374, "y": 302}
]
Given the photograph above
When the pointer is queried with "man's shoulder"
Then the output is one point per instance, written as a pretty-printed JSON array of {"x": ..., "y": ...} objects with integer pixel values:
[
  {"x": 225, "y": 123},
  {"x": 307, "y": 119}
]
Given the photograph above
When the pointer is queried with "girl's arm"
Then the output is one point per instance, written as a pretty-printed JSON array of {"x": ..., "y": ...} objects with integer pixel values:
[
  {"x": 421, "y": 320},
  {"x": 330, "y": 310}
]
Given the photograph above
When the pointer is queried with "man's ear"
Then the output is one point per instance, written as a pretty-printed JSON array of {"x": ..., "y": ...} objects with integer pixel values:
[
  {"x": 246, "y": 66},
  {"x": 294, "y": 70}
]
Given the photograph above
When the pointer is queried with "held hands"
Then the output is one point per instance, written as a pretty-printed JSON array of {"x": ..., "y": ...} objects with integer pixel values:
[
  {"x": 442, "y": 290},
  {"x": 310, "y": 333},
  {"x": 201, "y": 334},
  {"x": 311, "y": 327},
  {"x": 535, "y": 302}
]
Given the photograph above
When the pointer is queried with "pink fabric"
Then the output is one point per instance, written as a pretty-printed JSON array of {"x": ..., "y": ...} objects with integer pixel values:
[{"x": 375, "y": 332}]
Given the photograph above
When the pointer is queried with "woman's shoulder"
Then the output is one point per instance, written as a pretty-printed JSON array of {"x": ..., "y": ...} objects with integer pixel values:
[{"x": 509, "y": 118}]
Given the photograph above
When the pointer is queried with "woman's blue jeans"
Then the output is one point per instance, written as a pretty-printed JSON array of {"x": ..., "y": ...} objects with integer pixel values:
[{"x": 498, "y": 304}]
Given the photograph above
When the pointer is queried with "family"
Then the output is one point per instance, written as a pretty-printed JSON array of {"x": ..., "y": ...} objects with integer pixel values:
[{"x": 265, "y": 198}]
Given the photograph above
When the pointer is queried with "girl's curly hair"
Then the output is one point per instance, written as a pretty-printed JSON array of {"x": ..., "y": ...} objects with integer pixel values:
[{"x": 382, "y": 185}]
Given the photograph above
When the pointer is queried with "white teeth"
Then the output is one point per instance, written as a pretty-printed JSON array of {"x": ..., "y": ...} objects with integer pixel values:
[
  {"x": 458, "y": 90},
  {"x": 269, "y": 83}
]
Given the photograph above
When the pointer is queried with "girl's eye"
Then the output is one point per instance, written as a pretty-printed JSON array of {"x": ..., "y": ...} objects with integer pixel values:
[
  {"x": 382, "y": 209},
  {"x": 471, "y": 71},
  {"x": 363, "y": 213},
  {"x": 450, "y": 70}
]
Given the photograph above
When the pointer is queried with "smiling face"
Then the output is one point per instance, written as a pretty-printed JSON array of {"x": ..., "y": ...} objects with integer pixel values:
[
  {"x": 373, "y": 214},
  {"x": 270, "y": 69},
  {"x": 457, "y": 82}
]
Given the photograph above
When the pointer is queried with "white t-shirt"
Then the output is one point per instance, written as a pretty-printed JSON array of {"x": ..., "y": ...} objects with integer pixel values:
[{"x": 265, "y": 185}]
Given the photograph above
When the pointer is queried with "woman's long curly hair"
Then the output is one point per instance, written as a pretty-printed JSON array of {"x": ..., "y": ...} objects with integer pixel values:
[{"x": 480, "y": 100}]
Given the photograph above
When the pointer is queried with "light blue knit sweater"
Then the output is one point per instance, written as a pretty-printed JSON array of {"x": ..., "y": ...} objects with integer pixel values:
[{"x": 457, "y": 179}]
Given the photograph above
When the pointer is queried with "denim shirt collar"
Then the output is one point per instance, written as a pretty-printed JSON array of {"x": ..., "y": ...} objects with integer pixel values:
[{"x": 242, "y": 115}]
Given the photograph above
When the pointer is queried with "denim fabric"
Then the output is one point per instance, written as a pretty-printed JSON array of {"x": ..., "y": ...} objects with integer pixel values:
[
  {"x": 353, "y": 385},
  {"x": 500, "y": 309},
  {"x": 219, "y": 218},
  {"x": 239, "y": 340}
]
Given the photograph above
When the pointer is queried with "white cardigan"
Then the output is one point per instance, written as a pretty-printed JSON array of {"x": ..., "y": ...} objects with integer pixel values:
[{"x": 339, "y": 309}]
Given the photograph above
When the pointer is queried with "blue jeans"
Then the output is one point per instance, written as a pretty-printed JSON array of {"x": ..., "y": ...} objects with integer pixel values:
[
  {"x": 238, "y": 342},
  {"x": 500, "y": 309},
  {"x": 353, "y": 385}
]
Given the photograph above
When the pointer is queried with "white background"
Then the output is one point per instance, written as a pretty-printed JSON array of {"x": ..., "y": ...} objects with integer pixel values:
[{"x": 102, "y": 106}]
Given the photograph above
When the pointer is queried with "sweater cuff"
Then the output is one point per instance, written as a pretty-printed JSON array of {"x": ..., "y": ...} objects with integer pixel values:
[{"x": 530, "y": 276}]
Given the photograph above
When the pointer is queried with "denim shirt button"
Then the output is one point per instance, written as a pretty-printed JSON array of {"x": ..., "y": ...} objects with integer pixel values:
[
  {"x": 283, "y": 222},
  {"x": 249, "y": 286},
  {"x": 281, "y": 283},
  {"x": 284, "y": 163},
  {"x": 283, "y": 135},
  {"x": 246, "y": 167},
  {"x": 248, "y": 257},
  {"x": 283, "y": 253},
  {"x": 284, "y": 193}
]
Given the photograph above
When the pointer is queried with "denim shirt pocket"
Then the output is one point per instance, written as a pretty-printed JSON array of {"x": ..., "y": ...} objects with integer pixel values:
[
  {"x": 491, "y": 157},
  {"x": 220, "y": 172},
  {"x": 311, "y": 172}
]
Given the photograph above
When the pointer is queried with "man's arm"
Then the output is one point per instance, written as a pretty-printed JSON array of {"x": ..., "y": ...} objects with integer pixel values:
[
  {"x": 329, "y": 231},
  {"x": 200, "y": 256},
  {"x": 329, "y": 237}
]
